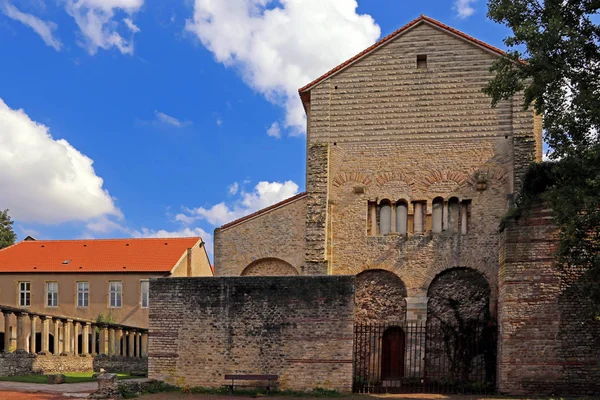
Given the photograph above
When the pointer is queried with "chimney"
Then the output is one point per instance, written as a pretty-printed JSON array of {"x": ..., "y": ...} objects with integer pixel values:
[{"x": 189, "y": 262}]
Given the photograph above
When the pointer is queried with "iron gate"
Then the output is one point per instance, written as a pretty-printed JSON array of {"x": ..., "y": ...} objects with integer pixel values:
[{"x": 431, "y": 357}]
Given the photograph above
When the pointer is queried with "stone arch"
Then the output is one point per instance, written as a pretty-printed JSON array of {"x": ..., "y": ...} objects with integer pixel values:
[
  {"x": 459, "y": 295},
  {"x": 380, "y": 296},
  {"x": 269, "y": 267}
]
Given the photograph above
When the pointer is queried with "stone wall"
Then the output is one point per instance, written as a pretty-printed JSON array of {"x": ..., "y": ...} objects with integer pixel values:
[
  {"x": 382, "y": 129},
  {"x": 16, "y": 364},
  {"x": 276, "y": 234},
  {"x": 380, "y": 297},
  {"x": 13, "y": 364},
  {"x": 120, "y": 363},
  {"x": 549, "y": 341},
  {"x": 300, "y": 328}
]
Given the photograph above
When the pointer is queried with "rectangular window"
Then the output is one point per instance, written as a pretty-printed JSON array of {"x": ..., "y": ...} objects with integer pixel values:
[
  {"x": 145, "y": 286},
  {"x": 83, "y": 294},
  {"x": 51, "y": 294},
  {"x": 115, "y": 290},
  {"x": 24, "y": 294},
  {"x": 422, "y": 61}
]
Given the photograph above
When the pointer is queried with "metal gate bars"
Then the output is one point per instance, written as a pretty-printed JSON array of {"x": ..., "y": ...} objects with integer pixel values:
[{"x": 431, "y": 357}]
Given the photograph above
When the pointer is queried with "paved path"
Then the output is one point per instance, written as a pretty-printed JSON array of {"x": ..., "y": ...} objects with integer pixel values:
[
  {"x": 68, "y": 390},
  {"x": 30, "y": 396}
]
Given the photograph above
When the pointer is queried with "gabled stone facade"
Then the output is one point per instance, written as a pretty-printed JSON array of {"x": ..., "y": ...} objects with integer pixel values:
[{"x": 409, "y": 168}]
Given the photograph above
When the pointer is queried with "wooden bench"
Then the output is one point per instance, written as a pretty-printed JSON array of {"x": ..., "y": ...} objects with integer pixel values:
[{"x": 270, "y": 381}]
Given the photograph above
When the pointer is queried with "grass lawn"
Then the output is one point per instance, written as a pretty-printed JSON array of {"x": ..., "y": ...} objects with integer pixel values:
[{"x": 70, "y": 377}]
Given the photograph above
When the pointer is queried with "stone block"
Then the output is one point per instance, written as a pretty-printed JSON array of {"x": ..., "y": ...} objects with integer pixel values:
[{"x": 107, "y": 381}]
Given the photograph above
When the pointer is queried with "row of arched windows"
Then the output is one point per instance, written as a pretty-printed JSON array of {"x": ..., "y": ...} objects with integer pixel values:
[{"x": 388, "y": 216}]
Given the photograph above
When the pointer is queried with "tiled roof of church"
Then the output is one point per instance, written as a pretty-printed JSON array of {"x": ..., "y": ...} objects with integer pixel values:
[
  {"x": 96, "y": 255},
  {"x": 422, "y": 18}
]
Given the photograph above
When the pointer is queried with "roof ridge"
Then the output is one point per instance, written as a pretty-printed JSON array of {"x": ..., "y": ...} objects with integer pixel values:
[
  {"x": 381, "y": 42},
  {"x": 105, "y": 239},
  {"x": 263, "y": 210}
]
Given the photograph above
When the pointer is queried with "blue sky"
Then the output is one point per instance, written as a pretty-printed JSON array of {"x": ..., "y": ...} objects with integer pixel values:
[{"x": 152, "y": 118}]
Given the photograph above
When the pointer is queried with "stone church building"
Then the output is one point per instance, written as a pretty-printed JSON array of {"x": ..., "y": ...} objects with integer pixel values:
[
  {"x": 408, "y": 172},
  {"x": 391, "y": 273}
]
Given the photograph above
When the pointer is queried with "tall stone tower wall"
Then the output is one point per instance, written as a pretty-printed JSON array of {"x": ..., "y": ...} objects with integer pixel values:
[{"x": 549, "y": 340}]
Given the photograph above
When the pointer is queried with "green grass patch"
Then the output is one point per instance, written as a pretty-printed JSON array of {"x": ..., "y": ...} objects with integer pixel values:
[{"x": 70, "y": 377}]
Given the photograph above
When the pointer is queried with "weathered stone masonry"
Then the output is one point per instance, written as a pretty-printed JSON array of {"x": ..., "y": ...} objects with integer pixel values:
[
  {"x": 299, "y": 328},
  {"x": 549, "y": 341}
]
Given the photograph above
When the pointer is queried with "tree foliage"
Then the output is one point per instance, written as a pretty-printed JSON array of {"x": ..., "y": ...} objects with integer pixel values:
[
  {"x": 555, "y": 62},
  {"x": 7, "y": 235}
]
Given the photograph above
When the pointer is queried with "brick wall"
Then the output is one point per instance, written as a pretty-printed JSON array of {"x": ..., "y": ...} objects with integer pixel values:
[
  {"x": 549, "y": 342},
  {"x": 299, "y": 328},
  {"x": 277, "y": 234}
]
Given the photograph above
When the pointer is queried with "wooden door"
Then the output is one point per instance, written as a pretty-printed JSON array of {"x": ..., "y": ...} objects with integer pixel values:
[{"x": 392, "y": 354}]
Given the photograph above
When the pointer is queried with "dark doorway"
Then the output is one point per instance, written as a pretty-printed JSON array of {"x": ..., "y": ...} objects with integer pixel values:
[{"x": 392, "y": 354}]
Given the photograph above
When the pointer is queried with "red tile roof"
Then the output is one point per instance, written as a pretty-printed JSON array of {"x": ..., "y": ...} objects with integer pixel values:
[
  {"x": 422, "y": 18},
  {"x": 264, "y": 210},
  {"x": 96, "y": 255}
]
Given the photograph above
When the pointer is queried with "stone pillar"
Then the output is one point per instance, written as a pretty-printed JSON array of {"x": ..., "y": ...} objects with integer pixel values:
[
  {"x": 416, "y": 309},
  {"x": 144, "y": 347},
  {"x": 118, "y": 336},
  {"x": 416, "y": 316},
  {"x": 393, "y": 226},
  {"x": 56, "y": 333},
  {"x": 103, "y": 347},
  {"x": 85, "y": 338},
  {"x": 21, "y": 333},
  {"x": 111, "y": 341},
  {"x": 94, "y": 340},
  {"x": 131, "y": 350},
  {"x": 463, "y": 223},
  {"x": 445, "y": 217},
  {"x": 45, "y": 322},
  {"x": 66, "y": 350},
  {"x": 32, "y": 341},
  {"x": 6, "y": 331},
  {"x": 76, "y": 348},
  {"x": 418, "y": 218},
  {"x": 373, "y": 219}
]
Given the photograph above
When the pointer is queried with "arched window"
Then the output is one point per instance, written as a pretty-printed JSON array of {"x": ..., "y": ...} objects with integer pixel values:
[
  {"x": 437, "y": 214},
  {"x": 401, "y": 216},
  {"x": 453, "y": 215},
  {"x": 385, "y": 217}
]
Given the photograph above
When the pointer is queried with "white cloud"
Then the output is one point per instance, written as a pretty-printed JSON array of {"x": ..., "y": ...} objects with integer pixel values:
[
  {"x": 100, "y": 27},
  {"x": 132, "y": 27},
  {"x": 281, "y": 46},
  {"x": 167, "y": 119},
  {"x": 274, "y": 130},
  {"x": 233, "y": 188},
  {"x": 464, "y": 8},
  {"x": 43, "y": 28},
  {"x": 263, "y": 195},
  {"x": 46, "y": 180}
]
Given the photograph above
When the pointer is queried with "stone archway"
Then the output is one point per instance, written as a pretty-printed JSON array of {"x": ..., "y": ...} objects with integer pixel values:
[
  {"x": 380, "y": 296},
  {"x": 459, "y": 294},
  {"x": 461, "y": 333},
  {"x": 269, "y": 267}
]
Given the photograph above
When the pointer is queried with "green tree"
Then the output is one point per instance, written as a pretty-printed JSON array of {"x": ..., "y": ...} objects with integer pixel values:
[
  {"x": 7, "y": 235},
  {"x": 554, "y": 59}
]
